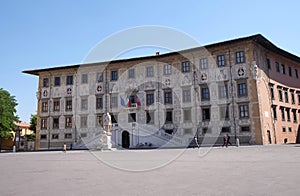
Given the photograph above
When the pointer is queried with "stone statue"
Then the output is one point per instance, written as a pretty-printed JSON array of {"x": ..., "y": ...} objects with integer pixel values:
[{"x": 107, "y": 123}]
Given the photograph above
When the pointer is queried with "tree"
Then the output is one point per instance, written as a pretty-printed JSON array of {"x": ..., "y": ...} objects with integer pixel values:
[
  {"x": 8, "y": 116},
  {"x": 33, "y": 120}
]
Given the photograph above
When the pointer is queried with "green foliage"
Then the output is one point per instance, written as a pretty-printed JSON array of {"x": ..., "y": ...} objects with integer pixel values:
[
  {"x": 31, "y": 137},
  {"x": 33, "y": 120},
  {"x": 8, "y": 105}
]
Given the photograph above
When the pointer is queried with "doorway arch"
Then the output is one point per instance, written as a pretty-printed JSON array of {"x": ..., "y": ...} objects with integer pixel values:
[{"x": 125, "y": 139}]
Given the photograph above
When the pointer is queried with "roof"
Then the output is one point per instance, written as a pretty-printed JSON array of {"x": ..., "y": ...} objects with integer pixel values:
[
  {"x": 22, "y": 124},
  {"x": 257, "y": 38}
]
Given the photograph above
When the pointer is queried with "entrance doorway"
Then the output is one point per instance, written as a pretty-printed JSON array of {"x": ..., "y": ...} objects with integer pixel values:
[{"x": 125, "y": 139}]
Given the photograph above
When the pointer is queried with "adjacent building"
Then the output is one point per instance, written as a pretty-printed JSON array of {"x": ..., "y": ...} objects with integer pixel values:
[{"x": 246, "y": 87}]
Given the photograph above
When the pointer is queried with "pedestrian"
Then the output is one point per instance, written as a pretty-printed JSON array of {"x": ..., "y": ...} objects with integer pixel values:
[
  {"x": 65, "y": 148},
  {"x": 196, "y": 141},
  {"x": 224, "y": 141},
  {"x": 228, "y": 140}
]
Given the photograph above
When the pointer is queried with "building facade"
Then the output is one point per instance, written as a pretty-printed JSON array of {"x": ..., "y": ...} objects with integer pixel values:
[{"x": 247, "y": 88}]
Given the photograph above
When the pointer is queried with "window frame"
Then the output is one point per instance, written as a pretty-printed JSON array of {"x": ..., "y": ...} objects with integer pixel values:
[{"x": 240, "y": 57}]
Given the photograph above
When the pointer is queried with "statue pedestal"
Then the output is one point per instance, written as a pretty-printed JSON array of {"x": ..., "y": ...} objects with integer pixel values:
[{"x": 106, "y": 142}]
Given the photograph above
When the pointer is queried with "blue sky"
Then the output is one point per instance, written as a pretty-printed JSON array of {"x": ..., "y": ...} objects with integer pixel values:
[{"x": 47, "y": 33}]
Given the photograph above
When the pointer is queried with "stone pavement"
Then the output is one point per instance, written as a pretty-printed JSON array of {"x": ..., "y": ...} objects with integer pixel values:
[{"x": 247, "y": 170}]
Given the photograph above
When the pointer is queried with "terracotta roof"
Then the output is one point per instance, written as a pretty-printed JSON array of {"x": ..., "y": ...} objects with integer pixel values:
[
  {"x": 23, "y": 124},
  {"x": 258, "y": 38}
]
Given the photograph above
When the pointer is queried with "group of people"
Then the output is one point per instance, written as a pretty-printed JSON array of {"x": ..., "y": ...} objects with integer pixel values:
[{"x": 226, "y": 140}]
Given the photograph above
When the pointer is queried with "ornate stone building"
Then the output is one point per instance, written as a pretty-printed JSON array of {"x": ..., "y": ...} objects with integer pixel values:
[{"x": 247, "y": 88}]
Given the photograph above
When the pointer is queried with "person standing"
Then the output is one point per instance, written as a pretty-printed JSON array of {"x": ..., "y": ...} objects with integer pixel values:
[
  {"x": 196, "y": 141},
  {"x": 228, "y": 140},
  {"x": 224, "y": 141},
  {"x": 65, "y": 148}
]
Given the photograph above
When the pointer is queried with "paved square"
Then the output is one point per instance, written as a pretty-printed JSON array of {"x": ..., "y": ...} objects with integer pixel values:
[{"x": 248, "y": 170}]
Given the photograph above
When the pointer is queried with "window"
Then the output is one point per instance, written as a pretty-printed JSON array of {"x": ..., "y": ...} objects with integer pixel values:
[
  {"x": 282, "y": 114},
  {"x": 205, "y": 114},
  {"x": 83, "y": 135},
  {"x": 290, "y": 71},
  {"x": 69, "y": 105},
  {"x": 283, "y": 68},
  {"x": 288, "y": 114},
  {"x": 294, "y": 115},
  {"x": 69, "y": 122},
  {"x": 43, "y": 136},
  {"x": 55, "y": 123},
  {"x": 45, "y": 82},
  {"x": 44, "y": 123},
  {"x": 150, "y": 117},
  {"x": 224, "y": 112},
  {"x": 99, "y": 120},
  {"x": 221, "y": 60},
  {"x": 114, "y": 101},
  {"x": 84, "y": 78},
  {"x": 242, "y": 89},
  {"x": 68, "y": 135},
  {"x": 169, "y": 116},
  {"x": 293, "y": 97},
  {"x": 240, "y": 57},
  {"x": 149, "y": 71},
  {"x": 167, "y": 69},
  {"x": 84, "y": 104},
  {"x": 131, "y": 73},
  {"x": 83, "y": 121},
  {"x": 286, "y": 95},
  {"x": 187, "y": 115},
  {"x": 186, "y": 95},
  {"x": 56, "y": 105},
  {"x": 99, "y": 77},
  {"x": 280, "y": 95},
  {"x": 57, "y": 81},
  {"x": 298, "y": 98},
  {"x": 55, "y": 136},
  {"x": 69, "y": 80},
  {"x": 274, "y": 112},
  {"x": 185, "y": 66},
  {"x": 245, "y": 129},
  {"x": 272, "y": 91},
  {"x": 268, "y": 63},
  {"x": 168, "y": 97},
  {"x": 45, "y": 106},
  {"x": 223, "y": 91},
  {"x": 114, "y": 118},
  {"x": 205, "y": 93},
  {"x": 132, "y": 117},
  {"x": 99, "y": 103},
  {"x": 244, "y": 111},
  {"x": 277, "y": 67},
  {"x": 203, "y": 63},
  {"x": 290, "y": 129},
  {"x": 296, "y": 73},
  {"x": 114, "y": 75},
  {"x": 150, "y": 98},
  {"x": 283, "y": 129},
  {"x": 225, "y": 130}
]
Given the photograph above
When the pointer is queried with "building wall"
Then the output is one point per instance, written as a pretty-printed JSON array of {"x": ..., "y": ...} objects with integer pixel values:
[
  {"x": 248, "y": 98},
  {"x": 270, "y": 78}
]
